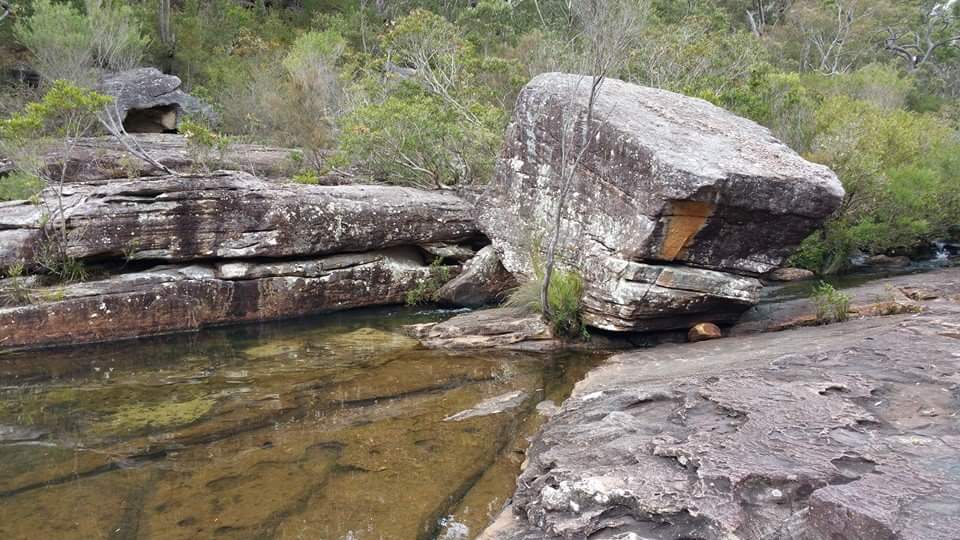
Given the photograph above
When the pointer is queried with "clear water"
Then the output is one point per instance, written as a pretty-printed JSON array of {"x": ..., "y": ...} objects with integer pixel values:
[{"x": 325, "y": 428}]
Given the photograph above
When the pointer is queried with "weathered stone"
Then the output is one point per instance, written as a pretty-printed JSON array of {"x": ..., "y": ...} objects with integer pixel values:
[
  {"x": 179, "y": 298},
  {"x": 840, "y": 431},
  {"x": 510, "y": 329},
  {"x": 502, "y": 328},
  {"x": 483, "y": 281},
  {"x": 704, "y": 332},
  {"x": 667, "y": 180},
  {"x": 149, "y": 101},
  {"x": 236, "y": 215},
  {"x": 889, "y": 296},
  {"x": 789, "y": 274}
]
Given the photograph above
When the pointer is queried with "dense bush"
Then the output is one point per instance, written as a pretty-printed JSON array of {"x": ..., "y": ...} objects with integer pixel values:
[{"x": 69, "y": 44}]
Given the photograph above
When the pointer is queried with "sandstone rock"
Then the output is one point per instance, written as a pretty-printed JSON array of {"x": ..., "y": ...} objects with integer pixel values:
[
  {"x": 887, "y": 296},
  {"x": 812, "y": 434},
  {"x": 789, "y": 274},
  {"x": 179, "y": 298},
  {"x": 494, "y": 405},
  {"x": 236, "y": 215},
  {"x": 510, "y": 329},
  {"x": 668, "y": 181},
  {"x": 150, "y": 101},
  {"x": 502, "y": 328},
  {"x": 704, "y": 332},
  {"x": 483, "y": 281},
  {"x": 453, "y": 252}
]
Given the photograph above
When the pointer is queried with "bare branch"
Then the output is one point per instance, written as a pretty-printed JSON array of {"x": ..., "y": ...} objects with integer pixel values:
[{"x": 112, "y": 121}]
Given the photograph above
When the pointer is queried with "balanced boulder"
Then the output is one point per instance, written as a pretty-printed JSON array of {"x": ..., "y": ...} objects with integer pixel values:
[{"x": 671, "y": 206}]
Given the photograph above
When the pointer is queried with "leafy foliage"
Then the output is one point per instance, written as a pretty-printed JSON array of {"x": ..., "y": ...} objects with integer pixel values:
[{"x": 72, "y": 45}]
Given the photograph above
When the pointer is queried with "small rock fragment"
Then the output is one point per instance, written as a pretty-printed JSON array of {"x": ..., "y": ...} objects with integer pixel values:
[{"x": 703, "y": 332}]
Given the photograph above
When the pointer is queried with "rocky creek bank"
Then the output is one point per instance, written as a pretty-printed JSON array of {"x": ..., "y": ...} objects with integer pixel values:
[
  {"x": 176, "y": 253},
  {"x": 846, "y": 431}
]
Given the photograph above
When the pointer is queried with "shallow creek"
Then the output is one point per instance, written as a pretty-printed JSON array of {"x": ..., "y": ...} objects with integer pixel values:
[{"x": 334, "y": 427}]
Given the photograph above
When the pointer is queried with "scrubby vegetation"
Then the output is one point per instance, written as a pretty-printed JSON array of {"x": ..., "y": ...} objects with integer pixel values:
[
  {"x": 418, "y": 92},
  {"x": 564, "y": 298},
  {"x": 832, "y": 305}
]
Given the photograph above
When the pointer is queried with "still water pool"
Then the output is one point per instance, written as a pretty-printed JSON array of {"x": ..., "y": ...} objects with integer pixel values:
[{"x": 335, "y": 427}]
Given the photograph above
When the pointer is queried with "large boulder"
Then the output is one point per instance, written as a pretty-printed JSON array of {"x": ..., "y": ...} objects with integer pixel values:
[
  {"x": 147, "y": 100},
  {"x": 674, "y": 208}
]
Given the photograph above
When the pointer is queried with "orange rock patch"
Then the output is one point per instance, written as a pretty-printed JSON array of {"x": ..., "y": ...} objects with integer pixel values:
[{"x": 686, "y": 219}]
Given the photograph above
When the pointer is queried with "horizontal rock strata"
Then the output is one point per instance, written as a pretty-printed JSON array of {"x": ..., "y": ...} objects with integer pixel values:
[
  {"x": 233, "y": 215},
  {"x": 246, "y": 249},
  {"x": 178, "y": 298}
]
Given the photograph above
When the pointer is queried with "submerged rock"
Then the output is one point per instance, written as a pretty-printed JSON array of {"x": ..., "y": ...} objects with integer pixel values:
[
  {"x": 668, "y": 183},
  {"x": 494, "y": 405}
]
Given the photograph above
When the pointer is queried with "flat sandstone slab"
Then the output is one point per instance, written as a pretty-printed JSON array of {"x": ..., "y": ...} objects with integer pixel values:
[{"x": 842, "y": 431}]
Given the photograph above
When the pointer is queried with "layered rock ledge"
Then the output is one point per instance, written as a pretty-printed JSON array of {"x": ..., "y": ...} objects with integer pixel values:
[
  {"x": 674, "y": 208},
  {"x": 182, "y": 252},
  {"x": 843, "y": 431}
]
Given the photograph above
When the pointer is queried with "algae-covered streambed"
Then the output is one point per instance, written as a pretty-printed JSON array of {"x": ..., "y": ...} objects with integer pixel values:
[{"x": 327, "y": 428}]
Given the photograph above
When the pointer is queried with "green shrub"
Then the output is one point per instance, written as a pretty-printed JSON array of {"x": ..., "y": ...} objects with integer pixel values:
[
  {"x": 831, "y": 304},
  {"x": 71, "y": 45},
  {"x": 565, "y": 298},
  {"x": 307, "y": 177},
  {"x": 206, "y": 147},
  {"x": 426, "y": 289},
  {"x": 19, "y": 186}
]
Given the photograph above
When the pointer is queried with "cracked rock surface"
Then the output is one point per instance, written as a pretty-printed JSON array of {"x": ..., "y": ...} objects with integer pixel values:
[
  {"x": 841, "y": 432},
  {"x": 674, "y": 208}
]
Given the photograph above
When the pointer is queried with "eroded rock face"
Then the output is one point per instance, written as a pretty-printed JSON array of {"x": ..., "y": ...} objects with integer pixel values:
[
  {"x": 177, "y": 298},
  {"x": 841, "y": 431},
  {"x": 236, "y": 215},
  {"x": 667, "y": 183}
]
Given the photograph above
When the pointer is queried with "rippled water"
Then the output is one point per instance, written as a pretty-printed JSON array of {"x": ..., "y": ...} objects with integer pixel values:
[{"x": 328, "y": 428}]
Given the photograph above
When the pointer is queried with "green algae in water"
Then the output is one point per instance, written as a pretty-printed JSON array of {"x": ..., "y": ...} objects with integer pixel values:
[{"x": 160, "y": 415}]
